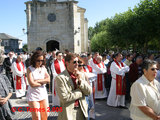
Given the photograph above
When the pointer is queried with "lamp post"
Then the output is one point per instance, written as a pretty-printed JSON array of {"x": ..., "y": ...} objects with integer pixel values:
[{"x": 24, "y": 31}]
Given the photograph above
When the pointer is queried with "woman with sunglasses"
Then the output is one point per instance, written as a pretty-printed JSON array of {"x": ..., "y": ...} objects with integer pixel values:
[
  {"x": 90, "y": 77},
  {"x": 38, "y": 77},
  {"x": 81, "y": 68},
  {"x": 145, "y": 94}
]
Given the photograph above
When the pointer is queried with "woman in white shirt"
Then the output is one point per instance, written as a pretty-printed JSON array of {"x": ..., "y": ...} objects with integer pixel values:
[
  {"x": 38, "y": 77},
  {"x": 145, "y": 94}
]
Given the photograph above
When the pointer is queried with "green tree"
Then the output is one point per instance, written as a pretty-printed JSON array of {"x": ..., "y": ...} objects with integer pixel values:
[
  {"x": 25, "y": 47},
  {"x": 136, "y": 29}
]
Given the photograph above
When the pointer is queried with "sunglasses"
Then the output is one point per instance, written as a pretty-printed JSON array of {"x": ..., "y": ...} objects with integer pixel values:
[
  {"x": 153, "y": 69},
  {"x": 74, "y": 62},
  {"x": 81, "y": 65},
  {"x": 39, "y": 60}
]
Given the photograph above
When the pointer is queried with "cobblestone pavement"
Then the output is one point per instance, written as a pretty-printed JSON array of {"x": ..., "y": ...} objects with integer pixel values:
[
  {"x": 27, "y": 116},
  {"x": 103, "y": 112}
]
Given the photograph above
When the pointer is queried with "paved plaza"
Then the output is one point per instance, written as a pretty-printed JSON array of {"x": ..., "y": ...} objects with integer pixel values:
[{"x": 103, "y": 112}]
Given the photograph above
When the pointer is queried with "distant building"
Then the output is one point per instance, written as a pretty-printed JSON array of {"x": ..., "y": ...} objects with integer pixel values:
[
  {"x": 1, "y": 47},
  {"x": 10, "y": 43}
]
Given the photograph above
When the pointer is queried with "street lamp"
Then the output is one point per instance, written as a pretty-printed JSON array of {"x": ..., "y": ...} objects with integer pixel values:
[{"x": 24, "y": 31}]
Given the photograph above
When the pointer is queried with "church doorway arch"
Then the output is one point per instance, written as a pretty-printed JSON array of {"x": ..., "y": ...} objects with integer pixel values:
[{"x": 52, "y": 45}]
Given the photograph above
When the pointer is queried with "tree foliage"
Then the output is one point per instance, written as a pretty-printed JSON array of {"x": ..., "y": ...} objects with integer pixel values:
[
  {"x": 25, "y": 48},
  {"x": 137, "y": 29}
]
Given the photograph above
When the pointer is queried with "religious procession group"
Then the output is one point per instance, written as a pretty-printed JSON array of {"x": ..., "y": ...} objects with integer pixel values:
[{"x": 109, "y": 76}]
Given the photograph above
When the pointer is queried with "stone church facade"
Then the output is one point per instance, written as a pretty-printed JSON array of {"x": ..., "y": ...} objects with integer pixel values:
[{"x": 56, "y": 24}]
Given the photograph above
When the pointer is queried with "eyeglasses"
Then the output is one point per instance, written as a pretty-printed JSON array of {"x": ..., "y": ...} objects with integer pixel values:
[
  {"x": 39, "y": 60},
  {"x": 153, "y": 69},
  {"x": 81, "y": 65},
  {"x": 74, "y": 62}
]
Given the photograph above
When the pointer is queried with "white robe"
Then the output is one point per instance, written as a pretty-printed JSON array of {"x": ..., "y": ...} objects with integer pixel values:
[
  {"x": 113, "y": 99},
  {"x": 16, "y": 72},
  {"x": 92, "y": 77},
  {"x": 98, "y": 70},
  {"x": 55, "y": 98}
]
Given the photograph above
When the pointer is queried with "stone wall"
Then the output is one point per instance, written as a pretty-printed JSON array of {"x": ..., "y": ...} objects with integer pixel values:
[{"x": 62, "y": 30}]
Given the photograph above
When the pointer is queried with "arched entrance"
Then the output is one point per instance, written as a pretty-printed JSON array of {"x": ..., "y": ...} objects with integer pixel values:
[{"x": 52, "y": 45}]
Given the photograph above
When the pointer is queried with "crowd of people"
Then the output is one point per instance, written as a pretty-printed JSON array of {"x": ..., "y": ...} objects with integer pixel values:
[{"x": 77, "y": 80}]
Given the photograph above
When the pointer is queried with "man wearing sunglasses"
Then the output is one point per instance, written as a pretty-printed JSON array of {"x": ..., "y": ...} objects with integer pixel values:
[{"x": 72, "y": 88}]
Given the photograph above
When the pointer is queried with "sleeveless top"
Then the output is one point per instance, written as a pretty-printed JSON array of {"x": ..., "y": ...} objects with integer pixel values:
[{"x": 37, "y": 93}]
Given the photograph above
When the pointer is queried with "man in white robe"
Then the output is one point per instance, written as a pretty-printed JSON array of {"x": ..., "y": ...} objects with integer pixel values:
[
  {"x": 20, "y": 81},
  {"x": 57, "y": 67},
  {"x": 100, "y": 69},
  {"x": 118, "y": 69}
]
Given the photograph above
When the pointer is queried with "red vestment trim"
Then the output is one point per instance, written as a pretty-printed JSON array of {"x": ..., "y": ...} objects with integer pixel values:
[
  {"x": 88, "y": 67},
  {"x": 58, "y": 70},
  {"x": 57, "y": 66},
  {"x": 99, "y": 80},
  {"x": 18, "y": 79},
  {"x": 120, "y": 83},
  {"x": 100, "y": 84},
  {"x": 94, "y": 61}
]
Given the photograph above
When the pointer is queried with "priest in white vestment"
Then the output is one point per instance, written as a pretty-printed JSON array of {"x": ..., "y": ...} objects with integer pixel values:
[
  {"x": 100, "y": 69},
  {"x": 57, "y": 67},
  {"x": 20, "y": 81},
  {"x": 117, "y": 92}
]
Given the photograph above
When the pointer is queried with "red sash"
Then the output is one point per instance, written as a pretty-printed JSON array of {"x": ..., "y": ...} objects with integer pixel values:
[
  {"x": 120, "y": 83},
  {"x": 99, "y": 80},
  {"x": 18, "y": 79},
  {"x": 88, "y": 67},
  {"x": 94, "y": 61},
  {"x": 100, "y": 84},
  {"x": 58, "y": 70},
  {"x": 99, "y": 65}
]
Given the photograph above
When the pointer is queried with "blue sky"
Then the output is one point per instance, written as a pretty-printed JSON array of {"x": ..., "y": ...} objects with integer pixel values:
[{"x": 13, "y": 18}]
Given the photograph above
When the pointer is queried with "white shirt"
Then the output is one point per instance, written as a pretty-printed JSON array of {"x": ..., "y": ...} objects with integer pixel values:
[
  {"x": 106, "y": 61},
  {"x": 143, "y": 93},
  {"x": 11, "y": 60},
  {"x": 37, "y": 93}
]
